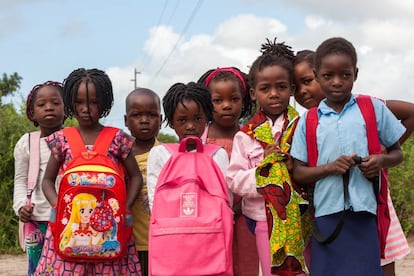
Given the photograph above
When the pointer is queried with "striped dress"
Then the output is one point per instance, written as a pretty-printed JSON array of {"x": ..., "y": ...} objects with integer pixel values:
[{"x": 396, "y": 246}]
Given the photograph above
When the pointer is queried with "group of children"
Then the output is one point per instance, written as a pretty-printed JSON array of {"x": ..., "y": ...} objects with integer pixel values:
[{"x": 264, "y": 161}]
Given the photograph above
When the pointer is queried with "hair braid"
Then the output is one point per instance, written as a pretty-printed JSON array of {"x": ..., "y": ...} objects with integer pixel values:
[
  {"x": 31, "y": 98},
  {"x": 180, "y": 92}
]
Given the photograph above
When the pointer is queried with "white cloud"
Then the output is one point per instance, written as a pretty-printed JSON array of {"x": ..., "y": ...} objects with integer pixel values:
[{"x": 383, "y": 44}]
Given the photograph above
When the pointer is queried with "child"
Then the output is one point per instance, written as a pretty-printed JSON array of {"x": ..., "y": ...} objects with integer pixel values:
[
  {"x": 143, "y": 119},
  {"x": 88, "y": 97},
  {"x": 260, "y": 164},
  {"x": 44, "y": 107},
  {"x": 229, "y": 91},
  {"x": 308, "y": 94},
  {"x": 188, "y": 109},
  {"x": 355, "y": 251}
]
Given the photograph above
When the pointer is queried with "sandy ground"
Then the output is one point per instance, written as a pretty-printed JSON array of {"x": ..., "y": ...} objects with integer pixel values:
[{"x": 15, "y": 265}]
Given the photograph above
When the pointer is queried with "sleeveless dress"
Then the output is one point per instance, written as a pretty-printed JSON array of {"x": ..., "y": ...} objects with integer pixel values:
[
  {"x": 50, "y": 262},
  {"x": 245, "y": 258}
]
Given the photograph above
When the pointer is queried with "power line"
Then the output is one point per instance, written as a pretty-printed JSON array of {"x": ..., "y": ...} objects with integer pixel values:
[{"x": 187, "y": 25}]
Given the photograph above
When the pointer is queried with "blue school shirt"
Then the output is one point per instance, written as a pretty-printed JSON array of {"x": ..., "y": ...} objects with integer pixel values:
[{"x": 345, "y": 134}]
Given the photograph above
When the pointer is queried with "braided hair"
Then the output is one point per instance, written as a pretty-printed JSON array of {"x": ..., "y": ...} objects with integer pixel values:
[
  {"x": 223, "y": 75},
  {"x": 272, "y": 54},
  {"x": 31, "y": 98},
  {"x": 180, "y": 92},
  {"x": 335, "y": 45},
  {"x": 103, "y": 87}
]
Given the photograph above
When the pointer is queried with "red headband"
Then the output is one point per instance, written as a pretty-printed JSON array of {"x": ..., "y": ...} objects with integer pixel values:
[{"x": 227, "y": 69}]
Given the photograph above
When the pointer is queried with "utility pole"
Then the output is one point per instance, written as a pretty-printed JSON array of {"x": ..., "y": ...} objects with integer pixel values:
[{"x": 135, "y": 77}]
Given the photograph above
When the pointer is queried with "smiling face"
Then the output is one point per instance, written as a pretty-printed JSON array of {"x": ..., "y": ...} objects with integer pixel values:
[
  {"x": 48, "y": 109},
  {"x": 308, "y": 92},
  {"x": 143, "y": 116},
  {"x": 86, "y": 105},
  {"x": 272, "y": 90},
  {"x": 188, "y": 119},
  {"x": 227, "y": 101},
  {"x": 336, "y": 76}
]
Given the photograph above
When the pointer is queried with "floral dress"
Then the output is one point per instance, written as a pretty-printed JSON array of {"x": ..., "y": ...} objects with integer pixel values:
[{"x": 50, "y": 262}]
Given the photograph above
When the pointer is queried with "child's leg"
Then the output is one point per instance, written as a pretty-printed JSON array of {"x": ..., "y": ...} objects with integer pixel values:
[
  {"x": 143, "y": 259},
  {"x": 263, "y": 247},
  {"x": 34, "y": 243}
]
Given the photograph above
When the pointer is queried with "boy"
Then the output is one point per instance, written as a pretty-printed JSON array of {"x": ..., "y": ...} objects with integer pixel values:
[
  {"x": 143, "y": 119},
  {"x": 343, "y": 188}
]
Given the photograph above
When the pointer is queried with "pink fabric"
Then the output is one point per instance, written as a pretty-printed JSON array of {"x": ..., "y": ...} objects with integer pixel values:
[
  {"x": 396, "y": 246},
  {"x": 245, "y": 258},
  {"x": 263, "y": 246}
]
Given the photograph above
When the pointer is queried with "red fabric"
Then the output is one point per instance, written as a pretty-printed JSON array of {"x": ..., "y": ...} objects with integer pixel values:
[{"x": 374, "y": 147}]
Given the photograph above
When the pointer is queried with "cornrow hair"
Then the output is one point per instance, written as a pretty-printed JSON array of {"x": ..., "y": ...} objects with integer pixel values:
[
  {"x": 31, "y": 98},
  {"x": 180, "y": 92},
  {"x": 272, "y": 54},
  {"x": 223, "y": 75},
  {"x": 103, "y": 87},
  {"x": 335, "y": 45},
  {"x": 305, "y": 56}
]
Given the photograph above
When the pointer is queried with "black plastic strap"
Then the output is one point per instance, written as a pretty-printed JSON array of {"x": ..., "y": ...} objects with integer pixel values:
[{"x": 316, "y": 232}]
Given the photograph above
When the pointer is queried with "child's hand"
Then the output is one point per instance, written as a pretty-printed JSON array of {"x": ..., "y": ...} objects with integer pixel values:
[
  {"x": 340, "y": 165},
  {"x": 25, "y": 213},
  {"x": 371, "y": 165},
  {"x": 271, "y": 148}
]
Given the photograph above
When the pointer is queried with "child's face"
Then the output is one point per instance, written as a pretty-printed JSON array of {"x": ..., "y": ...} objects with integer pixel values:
[
  {"x": 48, "y": 108},
  {"x": 336, "y": 76},
  {"x": 143, "y": 117},
  {"x": 86, "y": 108},
  {"x": 308, "y": 92},
  {"x": 227, "y": 100},
  {"x": 188, "y": 120},
  {"x": 272, "y": 90},
  {"x": 86, "y": 213}
]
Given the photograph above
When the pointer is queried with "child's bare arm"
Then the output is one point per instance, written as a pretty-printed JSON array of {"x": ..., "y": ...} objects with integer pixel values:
[
  {"x": 135, "y": 179},
  {"x": 48, "y": 183},
  {"x": 304, "y": 174},
  {"x": 404, "y": 111},
  {"x": 372, "y": 164}
]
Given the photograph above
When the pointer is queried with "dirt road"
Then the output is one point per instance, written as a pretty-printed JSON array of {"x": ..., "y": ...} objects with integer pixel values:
[{"x": 15, "y": 265}]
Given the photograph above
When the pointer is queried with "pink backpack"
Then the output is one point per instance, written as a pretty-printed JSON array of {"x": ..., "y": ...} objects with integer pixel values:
[
  {"x": 34, "y": 162},
  {"x": 191, "y": 226}
]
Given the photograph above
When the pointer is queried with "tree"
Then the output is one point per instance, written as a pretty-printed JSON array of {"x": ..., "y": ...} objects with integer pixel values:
[{"x": 9, "y": 84}]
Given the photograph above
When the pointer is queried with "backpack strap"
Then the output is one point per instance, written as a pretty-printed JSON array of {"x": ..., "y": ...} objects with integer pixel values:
[
  {"x": 181, "y": 146},
  {"x": 104, "y": 139},
  {"x": 34, "y": 163},
  {"x": 368, "y": 112},
  {"x": 102, "y": 143},
  {"x": 311, "y": 144},
  {"x": 312, "y": 148},
  {"x": 74, "y": 140}
]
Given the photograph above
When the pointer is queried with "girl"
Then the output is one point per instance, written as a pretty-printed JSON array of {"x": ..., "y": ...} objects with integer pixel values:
[
  {"x": 355, "y": 250},
  {"x": 188, "y": 109},
  {"x": 44, "y": 107},
  {"x": 260, "y": 164},
  {"x": 88, "y": 97},
  {"x": 229, "y": 91},
  {"x": 309, "y": 94}
]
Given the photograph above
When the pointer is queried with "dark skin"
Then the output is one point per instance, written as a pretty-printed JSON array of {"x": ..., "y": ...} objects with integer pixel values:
[
  {"x": 48, "y": 112},
  {"x": 87, "y": 115},
  {"x": 272, "y": 91},
  {"x": 143, "y": 118},
  {"x": 336, "y": 76}
]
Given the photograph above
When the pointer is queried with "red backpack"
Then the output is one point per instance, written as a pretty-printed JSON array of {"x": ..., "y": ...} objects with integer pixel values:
[
  {"x": 191, "y": 226},
  {"x": 374, "y": 147},
  {"x": 90, "y": 223}
]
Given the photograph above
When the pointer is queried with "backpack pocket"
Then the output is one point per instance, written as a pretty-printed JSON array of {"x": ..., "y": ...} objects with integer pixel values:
[{"x": 187, "y": 246}]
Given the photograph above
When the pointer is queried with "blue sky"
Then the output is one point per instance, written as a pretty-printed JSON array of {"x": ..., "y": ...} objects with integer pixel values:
[{"x": 171, "y": 41}]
